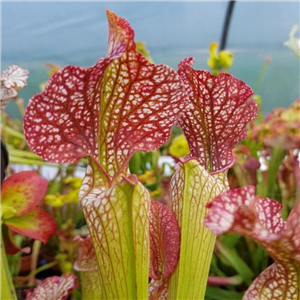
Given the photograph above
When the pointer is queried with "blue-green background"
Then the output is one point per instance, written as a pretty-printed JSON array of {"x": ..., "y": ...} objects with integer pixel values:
[{"x": 76, "y": 33}]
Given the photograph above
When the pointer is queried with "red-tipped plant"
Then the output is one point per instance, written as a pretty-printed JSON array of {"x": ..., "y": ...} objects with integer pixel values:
[
  {"x": 164, "y": 248},
  {"x": 124, "y": 104},
  {"x": 107, "y": 112},
  {"x": 20, "y": 197},
  {"x": 240, "y": 211},
  {"x": 220, "y": 108}
]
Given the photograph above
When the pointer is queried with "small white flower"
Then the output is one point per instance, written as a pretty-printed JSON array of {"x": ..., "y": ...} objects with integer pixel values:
[
  {"x": 294, "y": 43},
  {"x": 11, "y": 81},
  {"x": 6, "y": 94},
  {"x": 14, "y": 77}
]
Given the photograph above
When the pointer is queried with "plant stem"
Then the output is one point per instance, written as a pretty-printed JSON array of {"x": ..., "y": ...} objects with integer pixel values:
[
  {"x": 13, "y": 132},
  {"x": 267, "y": 187},
  {"x": 218, "y": 280},
  {"x": 278, "y": 155},
  {"x": 20, "y": 160},
  {"x": 235, "y": 261},
  {"x": 262, "y": 74},
  {"x": 40, "y": 269},
  {"x": 20, "y": 104},
  {"x": 7, "y": 288},
  {"x": 240, "y": 175},
  {"x": 34, "y": 259},
  {"x": 22, "y": 153}
]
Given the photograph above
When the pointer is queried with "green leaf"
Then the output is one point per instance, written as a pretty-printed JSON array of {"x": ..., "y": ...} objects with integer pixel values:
[
  {"x": 216, "y": 293},
  {"x": 261, "y": 259},
  {"x": 230, "y": 239},
  {"x": 7, "y": 130},
  {"x": 135, "y": 163},
  {"x": 7, "y": 288},
  {"x": 236, "y": 262}
]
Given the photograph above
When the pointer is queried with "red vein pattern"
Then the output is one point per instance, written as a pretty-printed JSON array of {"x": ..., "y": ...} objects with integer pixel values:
[
  {"x": 54, "y": 288},
  {"x": 239, "y": 211},
  {"x": 220, "y": 108},
  {"x": 107, "y": 112},
  {"x": 120, "y": 105},
  {"x": 164, "y": 241},
  {"x": 278, "y": 282},
  {"x": 118, "y": 224}
]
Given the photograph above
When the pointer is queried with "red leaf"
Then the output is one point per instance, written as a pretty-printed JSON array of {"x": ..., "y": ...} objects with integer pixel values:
[
  {"x": 87, "y": 260},
  {"x": 121, "y": 35},
  {"x": 23, "y": 191},
  {"x": 54, "y": 288},
  {"x": 164, "y": 241},
  {"x": 121, "y": 105},
  {"x": 290, "y": 239},
  {"x": 36, "y": 224},
  {"x": 229, "y": 209},
  {"x": 239, "y": 211},
  {"x": 219, "y": 111}
]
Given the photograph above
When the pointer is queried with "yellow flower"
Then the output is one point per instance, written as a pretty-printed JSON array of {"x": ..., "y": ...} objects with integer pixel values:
[
  {"x": 213, "y": 59},
  {"x": 70, "y": 194},
  {"x": 156, "y": 193},
  {"x": 43, "y": 85},
  {"x": 64, "y": 264},
  {"x": 179, "y": 147},
  {"x": 221, "y": 61},
  {"x": 226, "y": 59},
  {"x": 16, "y": 142},
  {"x": 148, "y": 177},
  {"x": 54, "y": 200},
  {"x": 73, "y": 182},
  {"x": 141, "y": 48},
  {"x": 52, "y": 71},
  {"x": 53, "y": 68}
]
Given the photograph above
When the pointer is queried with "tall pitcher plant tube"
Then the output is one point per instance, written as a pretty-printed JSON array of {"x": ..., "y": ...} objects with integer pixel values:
[
  {"x": 107, "y": 112},
  {"x": 220, "y": 107}
]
